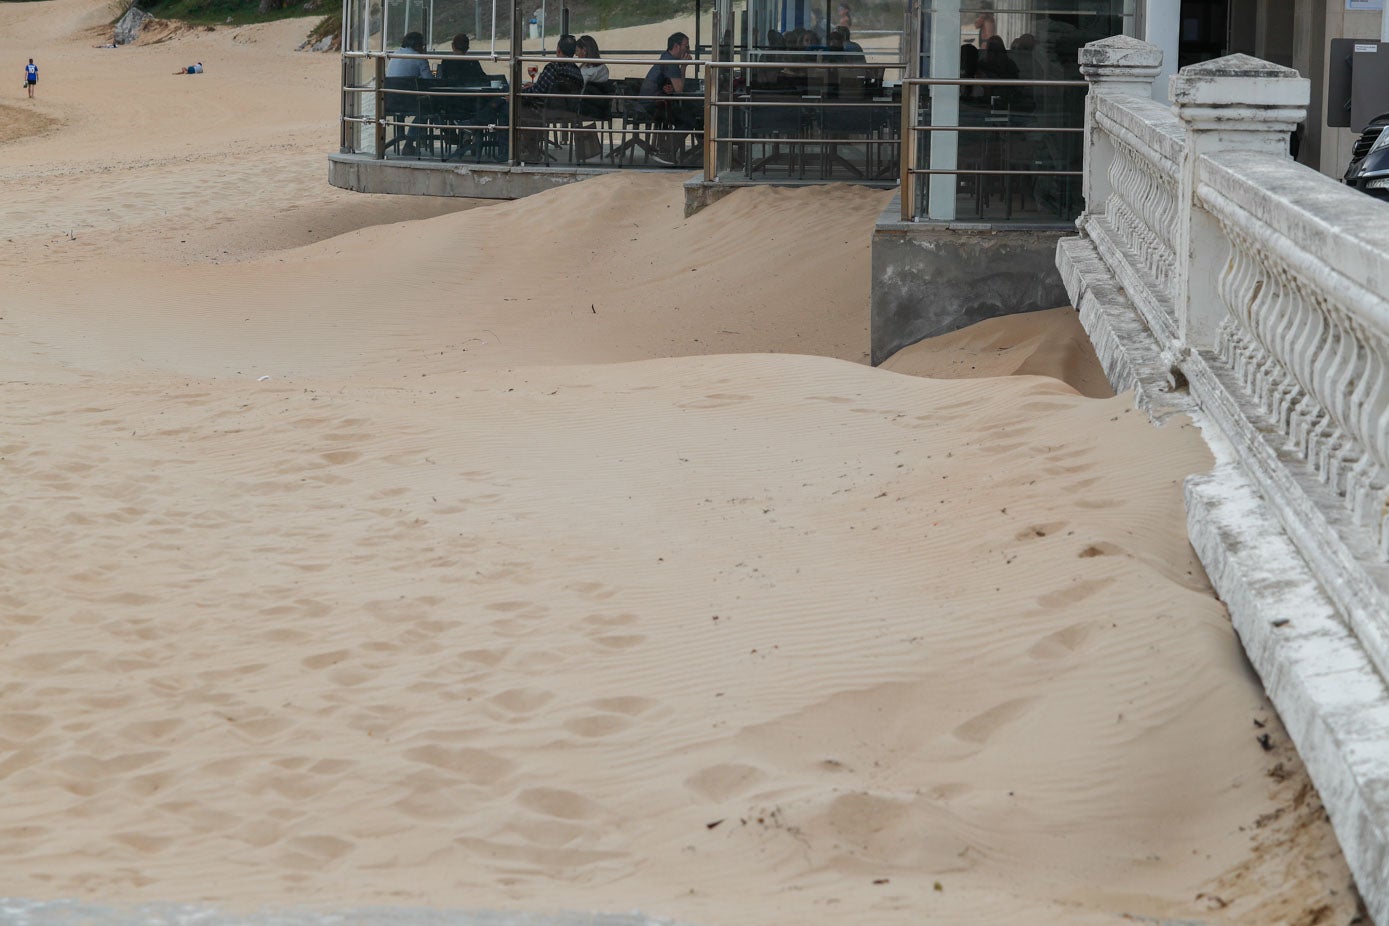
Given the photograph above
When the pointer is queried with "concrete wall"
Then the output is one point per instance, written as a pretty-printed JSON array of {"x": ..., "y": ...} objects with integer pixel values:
[
  {"x": 432, "y": 178},
  {"x": 931, "y": 279}
]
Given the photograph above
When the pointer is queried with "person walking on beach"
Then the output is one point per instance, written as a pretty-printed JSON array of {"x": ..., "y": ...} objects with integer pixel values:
[{"x": 31, "y": 77}]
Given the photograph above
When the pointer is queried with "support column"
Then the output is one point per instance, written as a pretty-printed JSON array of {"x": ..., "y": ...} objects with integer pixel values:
[
  {"x": 1235, "y": 103},
  {"x": 1162, "y": 27},
  {"x": 945, "y": 110}
]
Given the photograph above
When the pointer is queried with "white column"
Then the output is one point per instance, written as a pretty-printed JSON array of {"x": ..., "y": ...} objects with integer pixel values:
[
  {"x": 945, "y": 109},
  {"x": 1162, "y": 27},
  {"x": 1235, "y": 103}
]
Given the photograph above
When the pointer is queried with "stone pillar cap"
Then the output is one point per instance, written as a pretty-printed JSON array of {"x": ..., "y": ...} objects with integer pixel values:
[
  {"x": 1120, "y": 52},
  {"x": 1239, "y": 80}
]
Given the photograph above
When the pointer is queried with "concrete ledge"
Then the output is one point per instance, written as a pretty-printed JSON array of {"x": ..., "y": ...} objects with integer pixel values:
[
  {"x": 934, "y": 278},
  {"x": 700, "y": 193},
  {"x": 1128, "y": 351},
  {"x": 1329, "y": 696},
  {"x": 18, "y": 912},
  {"x": 434, "y": 178}
]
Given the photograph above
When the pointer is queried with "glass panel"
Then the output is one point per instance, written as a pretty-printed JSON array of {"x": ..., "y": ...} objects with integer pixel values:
[
  {"x": 820, "y": 99},
  {"x": 487, "y": 23},
  {"x": 606, "y": 118},
  {"x": 1005, "y": 164}
]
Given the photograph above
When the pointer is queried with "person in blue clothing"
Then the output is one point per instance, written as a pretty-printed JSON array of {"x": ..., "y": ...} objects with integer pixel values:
[
  {"x": 191, "y": 69},
  {"x": 412, "y": 43},
  {"x": 31, "y": 77}
]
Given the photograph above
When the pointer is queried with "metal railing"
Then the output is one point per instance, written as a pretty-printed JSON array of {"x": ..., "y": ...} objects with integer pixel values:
[
  {"x": 888, "y": 151},
  {"x": 519, "y": 101},
  {"x": 912, "y": 130},
  {"x": 804, "y": 102}
]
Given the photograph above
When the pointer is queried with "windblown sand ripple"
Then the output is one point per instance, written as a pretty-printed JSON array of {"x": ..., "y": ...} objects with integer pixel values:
[{"x": 563, "y": 554}]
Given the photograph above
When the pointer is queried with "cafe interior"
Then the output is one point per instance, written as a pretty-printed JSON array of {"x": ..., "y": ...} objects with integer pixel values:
[{"x": 975, "y": 107}]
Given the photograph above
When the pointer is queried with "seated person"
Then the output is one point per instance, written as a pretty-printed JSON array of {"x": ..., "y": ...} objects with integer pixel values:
[
  {"x": 850, "y": 46},
  {"x": 412, "y": 43},
  {"x": 469, "y": 73},
  {"x": 597, "y": 83},
  {"x": 561, "y": 75},
  {"x": 191, "y": 69},
  {"x": 467, "y": 109},
  {"x": 669, "y": 80}
]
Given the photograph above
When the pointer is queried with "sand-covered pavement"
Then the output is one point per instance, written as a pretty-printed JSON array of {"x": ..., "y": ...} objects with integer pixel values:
[{"x": 565, "y": 554}]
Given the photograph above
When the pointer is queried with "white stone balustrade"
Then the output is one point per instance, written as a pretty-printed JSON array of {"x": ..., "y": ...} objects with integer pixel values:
[{"x": 1219, "y": 278}]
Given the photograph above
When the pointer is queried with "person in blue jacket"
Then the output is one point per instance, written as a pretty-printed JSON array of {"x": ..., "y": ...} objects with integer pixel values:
[{"x": 31, "y": 77}]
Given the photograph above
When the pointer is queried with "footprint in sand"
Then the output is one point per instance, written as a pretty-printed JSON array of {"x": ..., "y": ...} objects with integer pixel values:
[
  {"x": 981, "y": 727},
  {"x": 597, "y": 726},
  {"x": 340, "y": 457},
  {"x": 325, "y": 660},
  {"x": 522, "y": 700},
  {"x": 1097, "y": 503},
  {"x": 721, "y": 782},
  {"x": 557, "y": 802},
  {"x": 629, "y": 706},
  {"x": 1074, "y": 594},
  {"x": 20, "y": 725},
  {"x": 714, "y": 400},
  {"x": 1103, "y": 548},
  {"x": 1062, "y": 643},
  {"x": 1034, "y": 531},
  {"x": 619, "y": 641}
]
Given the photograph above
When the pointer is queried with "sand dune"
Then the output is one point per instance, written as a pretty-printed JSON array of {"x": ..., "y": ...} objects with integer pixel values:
[
  {"x": 1050, "y": 343},
  {"x": 564, "y": 554}
]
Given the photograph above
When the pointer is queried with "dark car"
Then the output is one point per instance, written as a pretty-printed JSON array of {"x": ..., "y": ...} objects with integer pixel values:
[{"x": 1369, "y": 160}]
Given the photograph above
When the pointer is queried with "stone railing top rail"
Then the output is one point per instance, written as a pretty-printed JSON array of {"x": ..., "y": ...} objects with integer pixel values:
[
  {"x": 1148, "y": 121},
  {"x": 1332, "y": 226}
]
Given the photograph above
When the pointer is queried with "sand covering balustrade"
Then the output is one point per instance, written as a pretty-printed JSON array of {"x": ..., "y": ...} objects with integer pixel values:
[{"x": 568, "y": 556}]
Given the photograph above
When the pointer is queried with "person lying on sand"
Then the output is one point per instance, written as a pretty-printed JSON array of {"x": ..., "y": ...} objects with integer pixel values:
[{"x": 191, "y": 69}]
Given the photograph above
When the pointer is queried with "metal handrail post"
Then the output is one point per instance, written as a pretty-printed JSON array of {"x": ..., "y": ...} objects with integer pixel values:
[
  {"x": 907, "y": 190},
  {"x": 711, "y": 134},
  {"x": 513, "y": 138},
  {"x": 381, "y": 109},
  {"x": 346, "y": 142},
  {"x": 911, "y": 58}
]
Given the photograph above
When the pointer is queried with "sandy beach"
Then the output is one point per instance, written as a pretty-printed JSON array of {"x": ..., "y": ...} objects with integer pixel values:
[{"x": 566, "y": 554}]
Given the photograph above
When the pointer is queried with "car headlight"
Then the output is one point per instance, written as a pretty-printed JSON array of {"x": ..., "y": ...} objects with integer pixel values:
[{"x": 1382, "y": 141}]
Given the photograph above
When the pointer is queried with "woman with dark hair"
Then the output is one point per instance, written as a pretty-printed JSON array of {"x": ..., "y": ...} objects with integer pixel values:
[
  {"x": 969, "y": 67},
  {"x": 995, "y": 63},
  {"x": 588, "y": 50},
  {"x": 462, "y": 72}
]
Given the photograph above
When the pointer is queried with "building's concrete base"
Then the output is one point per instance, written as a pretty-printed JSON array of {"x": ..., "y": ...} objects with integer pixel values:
[
  {"x": 434, "y": 178},
  {"x": 700, "y": 193},
  {"x": 931, "y": 279}
]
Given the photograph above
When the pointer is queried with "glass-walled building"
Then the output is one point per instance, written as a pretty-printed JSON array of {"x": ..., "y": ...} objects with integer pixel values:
[{"x": 975, "y": 106}]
